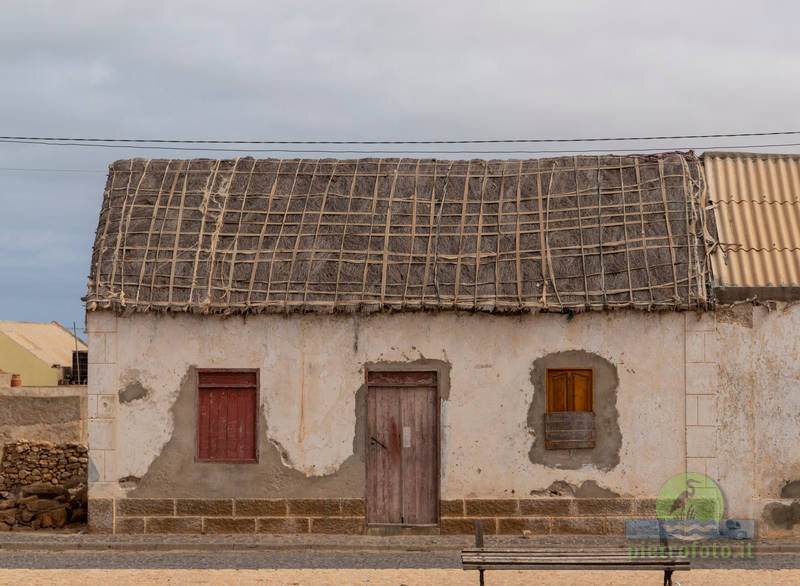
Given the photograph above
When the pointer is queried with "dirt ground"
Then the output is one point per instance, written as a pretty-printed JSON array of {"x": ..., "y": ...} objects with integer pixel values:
[{"x": 389, "y": 577}]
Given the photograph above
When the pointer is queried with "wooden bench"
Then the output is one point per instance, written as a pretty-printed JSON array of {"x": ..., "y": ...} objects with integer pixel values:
[{"x": 542, "y": 558}]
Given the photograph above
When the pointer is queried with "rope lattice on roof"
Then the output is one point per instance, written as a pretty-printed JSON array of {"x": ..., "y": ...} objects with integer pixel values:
[{"x": 248, "y": 236}]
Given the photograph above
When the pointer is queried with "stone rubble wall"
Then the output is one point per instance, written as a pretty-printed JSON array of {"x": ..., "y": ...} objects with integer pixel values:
[
  {"x": 42, "y": 506},
  {"x": 27, "y": 463},
  {"x": 42, "y": 485}
]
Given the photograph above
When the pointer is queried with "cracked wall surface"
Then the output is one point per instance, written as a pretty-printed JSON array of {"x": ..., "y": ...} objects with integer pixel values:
[
  {"x": 713, "y": 392},
  {"x": 605, "y": 454},
  {"x": 756, "y": 414},
  {"x": 312, "y": 370}
]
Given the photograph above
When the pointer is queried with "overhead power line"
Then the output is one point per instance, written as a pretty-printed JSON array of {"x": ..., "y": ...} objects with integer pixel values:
[
  {"x": 49, "y": 170},
  {"x": 396, "y": 152},
  {"x": 376, "y": 142},
  {"x": 44, "y": 170}
]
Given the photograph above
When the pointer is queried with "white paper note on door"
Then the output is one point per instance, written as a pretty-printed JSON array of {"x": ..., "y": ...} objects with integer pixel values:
[{"x": 406, "y": 437}]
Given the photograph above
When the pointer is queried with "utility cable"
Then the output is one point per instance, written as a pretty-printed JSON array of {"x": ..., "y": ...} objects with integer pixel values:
[{"x": 374, "y": 142}]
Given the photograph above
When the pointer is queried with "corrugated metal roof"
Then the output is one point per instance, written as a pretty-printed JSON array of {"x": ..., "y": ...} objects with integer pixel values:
[
  {"x": 756, "y": 200},
  {"x": 50, "y": 342}
]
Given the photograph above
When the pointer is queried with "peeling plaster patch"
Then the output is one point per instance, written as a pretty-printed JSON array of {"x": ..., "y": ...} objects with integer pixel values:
[
  {"x": 605, "y": 455},
  {"x": 782, "y": 516},
  {"x": 156, "y": 351},
  {"x": 308, "y": 379},
  {"x": 147, "y": 422},
  {"x": 740, "y": 315},
  {"x": 557, "y": 488},
  {"x": 286, "y": 460},
  {"x": 129, "y": 482},
  {"x": 791, "y": 490},
  {"x": 132, "y": 392},
  {"x": 176, "y": 474},
  {"x": 135, "y": 417},
  {"x": 588, "y": 489}
]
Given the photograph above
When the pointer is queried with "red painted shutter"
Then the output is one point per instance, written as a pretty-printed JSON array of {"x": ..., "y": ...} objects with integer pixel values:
[{"x": 227, "y": 408}]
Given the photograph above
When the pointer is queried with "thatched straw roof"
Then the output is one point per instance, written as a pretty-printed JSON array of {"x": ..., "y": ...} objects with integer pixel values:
[{"x": 249, "y": 236}]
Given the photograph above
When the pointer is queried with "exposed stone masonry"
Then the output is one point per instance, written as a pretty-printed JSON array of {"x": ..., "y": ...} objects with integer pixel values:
[
  {"x": 538, "y": 516},
  {"x": 26, "y": 463},
  {"x": 544, "y": 516},
  {"x": 42, "y": 485},
  {"x": 41, "y": 506}
]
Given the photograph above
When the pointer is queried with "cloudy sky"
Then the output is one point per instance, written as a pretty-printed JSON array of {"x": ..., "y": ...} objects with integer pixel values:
[{"x": 355, "y": 70}]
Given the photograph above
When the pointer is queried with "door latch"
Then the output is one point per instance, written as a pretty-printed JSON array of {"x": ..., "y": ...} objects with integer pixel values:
[{"x": 377, "y": 441}]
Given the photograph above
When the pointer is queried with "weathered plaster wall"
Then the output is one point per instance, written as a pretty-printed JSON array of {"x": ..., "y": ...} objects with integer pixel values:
[
  {"x": 605, "y": 383},
  {"x": 759, "y": 409},
  {"x": 718, "y": 394},
  {"x": 47, "y": 414},
  {"x": 311, "y": 374}
]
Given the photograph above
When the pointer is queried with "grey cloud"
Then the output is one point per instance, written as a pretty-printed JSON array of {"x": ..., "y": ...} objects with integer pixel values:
[{"x": 353, "y": 70}]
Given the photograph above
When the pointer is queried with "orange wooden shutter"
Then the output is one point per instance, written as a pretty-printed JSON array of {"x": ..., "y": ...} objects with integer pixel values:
[
  {"x": 569, "y": 389},
  {"x": 581, "y": 383},
  {"x": 569, "y": 420},
  {"x": 557, "y": 390}
]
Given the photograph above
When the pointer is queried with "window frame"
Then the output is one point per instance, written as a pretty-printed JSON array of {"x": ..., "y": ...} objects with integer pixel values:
[
  {"x": 569, "y": 430},
  {"x": 547, "y": 405},
  {"x": 256, "y": 413}
]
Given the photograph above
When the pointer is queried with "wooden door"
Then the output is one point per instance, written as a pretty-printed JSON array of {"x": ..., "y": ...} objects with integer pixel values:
[{"x": 402, "y": 448}]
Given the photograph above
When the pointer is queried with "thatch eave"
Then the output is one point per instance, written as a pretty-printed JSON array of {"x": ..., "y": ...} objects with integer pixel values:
[{"x": 247, "y": 236}]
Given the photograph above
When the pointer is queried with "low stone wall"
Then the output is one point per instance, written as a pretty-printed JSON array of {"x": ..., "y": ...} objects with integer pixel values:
[
  {"x": 42, "y": 506},
  {"x": 44, "y": 414},
  {"x": 26, "y": 463},
  {"x": 542, "y": 516}
]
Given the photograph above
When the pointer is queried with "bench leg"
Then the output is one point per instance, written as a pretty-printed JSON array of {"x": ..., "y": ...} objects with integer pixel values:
[
  {"x": 480, "y": 572},
  {"x": 668, "y": 577}
]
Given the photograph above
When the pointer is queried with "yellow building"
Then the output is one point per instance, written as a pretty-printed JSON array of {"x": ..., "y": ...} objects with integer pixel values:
[{"x": 38, "y": 352}]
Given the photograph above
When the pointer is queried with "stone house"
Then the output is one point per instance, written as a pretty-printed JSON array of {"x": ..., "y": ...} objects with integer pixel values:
[{"x": 382, "y": 345}]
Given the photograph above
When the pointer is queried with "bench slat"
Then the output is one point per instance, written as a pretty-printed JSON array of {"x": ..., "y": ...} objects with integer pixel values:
[
  {"x": 563, "y": 554},
  {"x": 559, "y": 555},
  {"x": 617, "y": 550},
  {"x": 572, "y": 561},
  {"x": 564, "y": 557},
  {"x": 565, "y": 560},
  {"x": 617, "y": 567},
  {"x": 517, "y": 558},
  {"x": 547, "y": 552}
]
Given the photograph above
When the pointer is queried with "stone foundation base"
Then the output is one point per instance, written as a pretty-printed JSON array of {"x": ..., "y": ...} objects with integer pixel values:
[
  {"x": 342, "y": 516},
  {"x": 542, "y": 516}
]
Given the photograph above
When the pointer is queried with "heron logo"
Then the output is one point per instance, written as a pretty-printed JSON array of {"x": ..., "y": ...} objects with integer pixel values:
[
  {"x": 690, "y": 496},
  {"x": 690, "y": 506}
]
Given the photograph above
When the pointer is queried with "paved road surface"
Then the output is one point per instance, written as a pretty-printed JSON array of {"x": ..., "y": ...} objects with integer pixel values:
[{"x": 301, "y": 560}]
